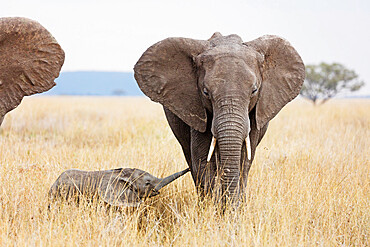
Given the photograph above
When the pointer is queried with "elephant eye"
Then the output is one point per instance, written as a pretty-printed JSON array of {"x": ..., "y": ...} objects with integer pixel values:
[
  {"x": 147, "y": 183},
  {"x": 205, "y": 92},
  {"x": 254, "y": 91}
]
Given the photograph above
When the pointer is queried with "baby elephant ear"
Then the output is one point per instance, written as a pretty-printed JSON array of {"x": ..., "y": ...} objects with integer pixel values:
[
  {"x": 30, "y": 60},
  {"x": 282, "y": 72},
  {"x": 118, "y": 190},
  {"x": 166, "y": 73}
]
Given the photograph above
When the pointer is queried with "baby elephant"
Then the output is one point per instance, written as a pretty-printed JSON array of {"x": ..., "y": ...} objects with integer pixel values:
[{"x": 117, "y": 187}]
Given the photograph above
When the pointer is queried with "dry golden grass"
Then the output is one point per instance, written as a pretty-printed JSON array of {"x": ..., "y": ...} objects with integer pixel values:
[{"x": 309, "y": 184}]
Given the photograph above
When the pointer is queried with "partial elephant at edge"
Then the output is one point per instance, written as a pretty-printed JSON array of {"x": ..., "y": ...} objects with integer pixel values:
[{"x": 30, "y": 61}]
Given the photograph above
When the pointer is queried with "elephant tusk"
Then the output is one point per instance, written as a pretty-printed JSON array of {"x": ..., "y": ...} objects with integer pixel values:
[
  {"x": 211, "y": 148},
  {"x": 248, "y": 144}
]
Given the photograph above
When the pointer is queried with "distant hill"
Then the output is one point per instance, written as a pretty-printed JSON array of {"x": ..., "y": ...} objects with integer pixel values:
[
  {"x": 95, "y": 83},
  {"x": 104, "y": 83}
]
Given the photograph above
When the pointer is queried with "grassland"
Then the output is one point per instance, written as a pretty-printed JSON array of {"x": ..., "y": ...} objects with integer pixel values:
[{"x": 308, "y": 186}]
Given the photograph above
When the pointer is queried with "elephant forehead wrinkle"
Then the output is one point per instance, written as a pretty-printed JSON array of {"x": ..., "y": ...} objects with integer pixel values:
[
  {"x": 226, "y": 55},
  {"x": 218, "y": 80}
]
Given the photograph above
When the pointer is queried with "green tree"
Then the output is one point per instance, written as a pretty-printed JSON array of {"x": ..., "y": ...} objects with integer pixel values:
[{"x": 324, "y": 81}]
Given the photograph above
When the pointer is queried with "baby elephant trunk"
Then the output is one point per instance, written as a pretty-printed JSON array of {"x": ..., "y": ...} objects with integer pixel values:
[{"x": 165, "y": 181}]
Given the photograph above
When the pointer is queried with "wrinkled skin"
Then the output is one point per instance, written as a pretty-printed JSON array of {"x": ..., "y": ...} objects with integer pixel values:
[
  {"x": 223, "y": 88},
  {"x": 30, "y": 60},
  {"x": 117, "y": 187}
]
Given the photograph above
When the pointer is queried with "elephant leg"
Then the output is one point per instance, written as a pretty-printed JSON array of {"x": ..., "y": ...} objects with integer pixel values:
[
  {"x": 182, "y": 133},
  {"x": 205, "y": 172},
  {"x": 255, "y": 137},
  {"x": 195, "y": 146}
]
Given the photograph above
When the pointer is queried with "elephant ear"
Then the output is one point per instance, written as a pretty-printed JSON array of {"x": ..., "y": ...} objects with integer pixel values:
[
  {"x": 282, "y": 72},
  {"x": 30, "y": 60},
  {"x": 167, "y": 74},
  {"x": 117, "y": 189}
]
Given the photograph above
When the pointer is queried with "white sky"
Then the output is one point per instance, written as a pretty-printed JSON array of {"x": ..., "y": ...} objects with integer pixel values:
[{"x": 111, "y": 35}]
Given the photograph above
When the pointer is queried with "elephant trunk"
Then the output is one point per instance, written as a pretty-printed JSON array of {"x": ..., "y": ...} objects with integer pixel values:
[
  {"x": 165, "y": 181},
  {"x": 231, "y": 127}
]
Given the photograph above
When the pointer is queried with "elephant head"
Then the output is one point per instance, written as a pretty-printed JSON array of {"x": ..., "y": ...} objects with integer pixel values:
[
  {"x": 226, "y": 86},
  {"x": 117, "y": 187},
  {"x": 30, "y": 60}
]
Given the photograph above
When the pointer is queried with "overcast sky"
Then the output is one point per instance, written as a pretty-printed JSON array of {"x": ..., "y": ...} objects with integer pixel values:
[{"x": 111, "y": 35}]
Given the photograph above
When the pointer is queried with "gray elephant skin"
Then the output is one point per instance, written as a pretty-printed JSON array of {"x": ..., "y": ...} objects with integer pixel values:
[
  {"x": 123, "y": 187},
  {"x": 219, "y": 96},
  {"x": 30, "y": 60}
]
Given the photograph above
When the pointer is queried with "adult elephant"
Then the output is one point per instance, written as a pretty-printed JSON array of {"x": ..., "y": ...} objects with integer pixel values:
[
  {"x": 220, "y": 94},
  {"x": 30, "y": 60}
]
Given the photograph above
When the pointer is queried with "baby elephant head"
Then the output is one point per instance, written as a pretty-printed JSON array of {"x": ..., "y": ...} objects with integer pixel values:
[{"x": 130, "y": 186}]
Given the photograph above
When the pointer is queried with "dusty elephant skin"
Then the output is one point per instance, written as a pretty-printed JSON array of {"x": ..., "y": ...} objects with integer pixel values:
[
  {"x": 117, "y": 187},
  {"x": 30, "y": 60},
  {"x": 219, "y": 96}
]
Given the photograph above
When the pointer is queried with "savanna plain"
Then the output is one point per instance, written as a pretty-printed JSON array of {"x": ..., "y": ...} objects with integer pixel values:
[{"x": 308, "y": 185}]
